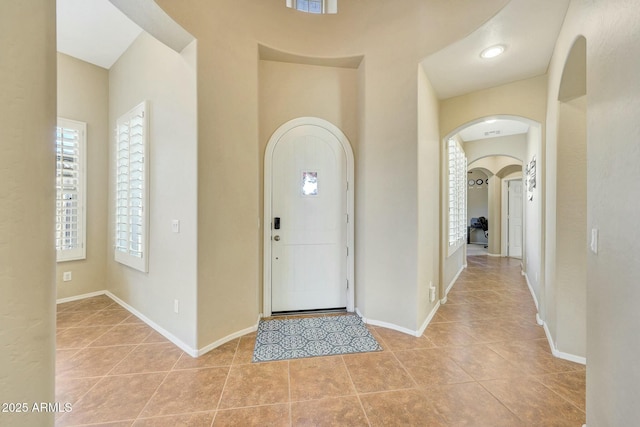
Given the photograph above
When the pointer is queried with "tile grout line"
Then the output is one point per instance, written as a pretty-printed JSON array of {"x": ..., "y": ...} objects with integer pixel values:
[
  {"x": 289, "y": 388},
  {"x": 406, "y": 371},
  {"x": 535, "y": 377},
  {"x": 500, "y": 401},
  {"x": 224, "y": 386},
  {"x": 355, "y": 389},
  {"x": 151, "y": 397}
]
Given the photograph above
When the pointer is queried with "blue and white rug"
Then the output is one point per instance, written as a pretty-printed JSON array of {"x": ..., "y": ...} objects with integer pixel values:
[{"x": 281, "y": 339}]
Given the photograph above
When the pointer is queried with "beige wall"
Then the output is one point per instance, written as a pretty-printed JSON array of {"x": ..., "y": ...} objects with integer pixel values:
[
  {"x": 613, "y": 106},
  {"x": 534, "y": 225},
  {"x": 571, "y": 238},
  {"x": 27, "y": 171},
  {"x": 428, "y": 195},
  {"x": 495, "y": 215},
  {"x": 83, "y": 95},
  {"x": 524, "y": 98},
  {"x": 151, "y": 71},
  {"x": 228, "y": 34},
  {"x": 291, "y": 90}
]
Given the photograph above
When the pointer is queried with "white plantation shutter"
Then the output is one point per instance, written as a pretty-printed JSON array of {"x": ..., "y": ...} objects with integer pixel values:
[
  {"x": 70, "y": 190},
  {"x": 462, "y": 195},
  {"x": 453, "y": 192},
  {"x": 457, "y": 197},
  {"x": 131, "y": 216}
]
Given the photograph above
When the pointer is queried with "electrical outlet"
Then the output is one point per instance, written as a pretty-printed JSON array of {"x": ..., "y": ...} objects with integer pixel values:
[
  {"x": 175, "y": 226},
  {"x": 176, "y": 306},
  {"x": 66, "y": 276},
  {"x": 432, "y": 292}
]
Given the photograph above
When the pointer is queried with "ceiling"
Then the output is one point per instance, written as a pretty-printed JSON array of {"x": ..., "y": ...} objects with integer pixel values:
[
  {"x": 528, "y": 29},
  {"x": 94, "y": 31}
]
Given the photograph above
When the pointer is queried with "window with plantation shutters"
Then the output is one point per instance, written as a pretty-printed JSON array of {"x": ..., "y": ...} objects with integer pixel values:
[
  {"x": 131, "y": 216},
  {"x": 457, "y": 197},
  {"x": 70, "y": 190}
]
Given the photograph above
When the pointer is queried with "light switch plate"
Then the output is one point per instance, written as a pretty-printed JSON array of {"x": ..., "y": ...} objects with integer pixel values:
[
  {"x": 175, "y": 226},
  {"x": 594, "y": 240}
]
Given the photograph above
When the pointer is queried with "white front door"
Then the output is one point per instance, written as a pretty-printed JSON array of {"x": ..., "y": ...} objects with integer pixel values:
[
  {"x": 308, "y": 221},
  {"x": 514, "y": 223}
]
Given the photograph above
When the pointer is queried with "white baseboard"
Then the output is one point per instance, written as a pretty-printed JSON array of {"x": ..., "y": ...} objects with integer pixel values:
[
  {"x": 557, "y": 353},
  {"x": 533, "y": 294},
  {"x": 428, "y": 319},
  {"x": 453, "y": 281},
  {"x": 168, "y": 335},
  {"x": 494, "y": 255},
  {"x": 402, "y": 329},
  {"x": 560, "y": 354},
  {"x": 228, "y": 338},
  {"x": 79, "y": 297}
]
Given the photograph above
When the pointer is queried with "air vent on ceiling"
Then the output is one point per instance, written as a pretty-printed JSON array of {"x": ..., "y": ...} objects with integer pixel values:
[{"x": 492, "y": 132}]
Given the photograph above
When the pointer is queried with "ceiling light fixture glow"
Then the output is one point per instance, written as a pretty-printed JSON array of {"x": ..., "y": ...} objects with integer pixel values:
[
  {"x": 492, "y": 52},
  {"x": 490, "y": 121}
]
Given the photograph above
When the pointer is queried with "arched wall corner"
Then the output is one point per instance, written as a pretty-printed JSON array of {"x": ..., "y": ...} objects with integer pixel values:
[
  {"x": 573, "y": 83},
  {"x": 482, "y": 169},
  {"x": 566, "y": 181},
  {"x": 268, "y": 169}
]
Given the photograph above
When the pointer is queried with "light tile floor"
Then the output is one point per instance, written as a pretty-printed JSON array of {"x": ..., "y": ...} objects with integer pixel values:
[{"x": 481, "y": 362}]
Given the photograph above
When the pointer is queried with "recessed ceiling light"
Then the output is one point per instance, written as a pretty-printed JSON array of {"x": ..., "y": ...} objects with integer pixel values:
[{"x": 492, "y": 52}]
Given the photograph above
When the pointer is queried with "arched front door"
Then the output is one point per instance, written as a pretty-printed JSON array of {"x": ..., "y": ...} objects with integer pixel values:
[{"x": 307, "y": 232}]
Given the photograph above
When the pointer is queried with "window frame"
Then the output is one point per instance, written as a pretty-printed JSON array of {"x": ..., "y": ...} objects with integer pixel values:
[
  {"x": 80, "y": 251},
  {"x": 328, "y": 6},
  {"x": 125, "y": 255}
]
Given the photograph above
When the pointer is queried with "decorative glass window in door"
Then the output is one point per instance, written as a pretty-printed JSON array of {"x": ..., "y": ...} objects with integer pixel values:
[{"x": 309, "y": 183}]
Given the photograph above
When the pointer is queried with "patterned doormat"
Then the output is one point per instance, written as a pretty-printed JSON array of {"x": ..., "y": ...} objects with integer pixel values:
[{"x": 281, "y": 339}]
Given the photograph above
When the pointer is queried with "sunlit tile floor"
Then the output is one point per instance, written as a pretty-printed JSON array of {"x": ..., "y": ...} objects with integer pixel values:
[{"x": 481, "y": 362}]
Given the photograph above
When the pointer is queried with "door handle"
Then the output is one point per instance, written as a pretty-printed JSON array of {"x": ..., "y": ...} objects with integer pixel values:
[{"x": 276, "y": 238}]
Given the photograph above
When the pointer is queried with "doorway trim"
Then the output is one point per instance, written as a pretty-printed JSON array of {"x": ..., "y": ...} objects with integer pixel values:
[
  {"x": 268, "y": 191},
  {"x": 505, "y": 221}
]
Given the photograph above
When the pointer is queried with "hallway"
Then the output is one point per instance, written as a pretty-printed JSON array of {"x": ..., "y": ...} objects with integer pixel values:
[{"x": 481, "y": 362}]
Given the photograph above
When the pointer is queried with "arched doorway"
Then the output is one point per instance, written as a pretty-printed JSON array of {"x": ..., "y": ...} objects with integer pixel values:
[{"x": 519, "y": 140}]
